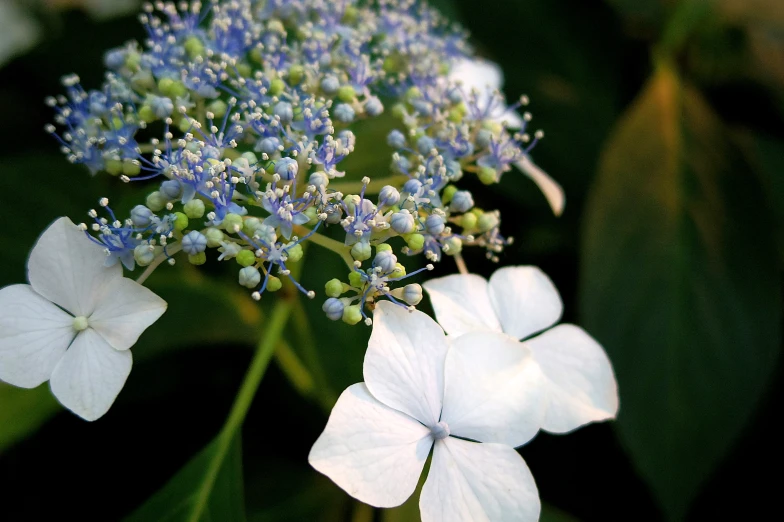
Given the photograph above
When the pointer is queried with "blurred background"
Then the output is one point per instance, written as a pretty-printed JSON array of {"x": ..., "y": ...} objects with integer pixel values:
[{"x": 664, "y": 123}]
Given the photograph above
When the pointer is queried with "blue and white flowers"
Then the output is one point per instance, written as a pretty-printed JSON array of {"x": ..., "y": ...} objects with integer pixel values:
[{"x": 74, "y": 324}]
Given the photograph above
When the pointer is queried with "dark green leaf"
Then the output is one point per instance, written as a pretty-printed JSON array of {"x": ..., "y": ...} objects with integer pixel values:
[
  {"x": 177, "y": 500},
  {"x": 23, "y": 411},
  {"x": 680, "y": 284}
]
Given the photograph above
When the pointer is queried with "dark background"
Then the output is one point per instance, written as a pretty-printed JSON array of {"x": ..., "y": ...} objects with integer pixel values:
[{"x": 707, "y": 452}]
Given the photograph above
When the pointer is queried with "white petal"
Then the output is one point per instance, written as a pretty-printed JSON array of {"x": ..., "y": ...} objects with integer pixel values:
[
  {"x": 124, "y": 311},
  {"x": 474, "y": 482},
  {"x": 404, "y": 362},
  {"x": 90, "y": 375},
  {"x": 34, "y": 335},
  {"x": 68, "y": 269},
  {"x": 493, "y": 390},
  {"x": 550, "y": 188},
  {"x": 462, "y": 304},
  {"x": 477, "y": 73},
  {"x": 578, "y": 378},
  {"x": 376, "y": 454},
  {"x": 525, "y": 300}
]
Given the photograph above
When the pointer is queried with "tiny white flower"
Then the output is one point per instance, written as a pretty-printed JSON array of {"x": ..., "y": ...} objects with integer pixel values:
[
  {"x": 423, "y": 390},
  {"x": 521, "y": 301},
  {"x": 74, "y": 323},
  {"x": 485, "y": 77}
]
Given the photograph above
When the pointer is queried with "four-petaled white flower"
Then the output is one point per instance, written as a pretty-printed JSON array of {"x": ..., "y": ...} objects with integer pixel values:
[
  {"x": 423, "y": 390},
  {"x": 484, "y": 77},
  {"x": 577, "y": 377},
  {"x": 74, "y": 323}
]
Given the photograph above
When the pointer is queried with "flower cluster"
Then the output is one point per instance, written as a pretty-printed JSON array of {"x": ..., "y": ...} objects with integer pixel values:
[{"x": 244, "y": 110}]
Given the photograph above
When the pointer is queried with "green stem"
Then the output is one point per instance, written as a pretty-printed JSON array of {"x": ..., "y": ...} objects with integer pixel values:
[
  {"x": 258, "y": 366},
  {"x": 374, "y": 187},
  {"x": 328, "y": 243},
  {"x": 686, "y": 19},
  {"x": 157, "y": 261}
]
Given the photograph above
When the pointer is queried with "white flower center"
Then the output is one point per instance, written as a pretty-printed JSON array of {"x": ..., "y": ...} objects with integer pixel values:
[
  {"x": 440, "y": 430},
  {"x": 80, "y": 323}
]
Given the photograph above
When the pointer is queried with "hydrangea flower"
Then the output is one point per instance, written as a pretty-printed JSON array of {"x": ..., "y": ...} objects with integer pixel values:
[
  {"x": 522, "y": 301},
  {"x": 484, "y": 77},
  {"x": 472, "y": 399},
  {"x": 74, "y": 323}
]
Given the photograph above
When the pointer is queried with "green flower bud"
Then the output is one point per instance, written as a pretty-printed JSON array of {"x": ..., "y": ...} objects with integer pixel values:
[
  {"x": 214, "y": 237},
  {"x": 133, "y": 60},
  {"x": 487, "y": 221},
  {"x": 180, "y": 221},
  {"x": 346, "y": 93},
  {"x": 312, "y": 214},
  {"x": 274, "y": 284},
  {"x": 277, "y": 85},
  {"x": 398, "y": 111},
  {"x": 294, "y": 253},
  {"x": 155, "y": 201},
  {"x": 355, "y": 279},
  {"x": 399, "y": 271},
  {"x": 453, "y": 246},
  {"x": 468, "y": 221},
  {"x": 487, "y": 175},
  {"x": 361, "y": 251},
  {"x": 250, "y": 225},
  {"x": 446, "y": 195},
  {"x": 147, "y": 114},
  {"x": 413, "y": 93},
  {"x": 333, "y": 288},
  {"x": 352, "y": 314},
  {"x": 415, "y": 241},
  {"x": 383, "y": 247},
  {"x": 113, "y": 166},
  {"x": 296, "y": 74},
  {"x": 246, "y": 258},
  {"x": 232, "y": 223},
  {"x": 131, "y": 168},
  {"x": 193, "y": 47},
  {"x": 218, "y": 108},
  {"x": 350, "y": 15},
  {"x": 194, "y": 208},
  {"x": 143, "y": 254},
  {"x": 197, "y": 259},
  {"x": 186, "y": 124}
]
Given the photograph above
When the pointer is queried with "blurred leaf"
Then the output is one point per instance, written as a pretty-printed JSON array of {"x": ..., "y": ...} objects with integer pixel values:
[
  {"x": 177, "y": 500},
  {"x": 23, "y": 411},
  {"x": 552, "y": 514},
  {"x": 680, "y": 284},
  {"x": 767, "y": 155}
]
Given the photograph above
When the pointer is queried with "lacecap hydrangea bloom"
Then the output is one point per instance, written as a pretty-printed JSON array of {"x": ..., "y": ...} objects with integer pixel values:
[{"x": 244, "y": 111}]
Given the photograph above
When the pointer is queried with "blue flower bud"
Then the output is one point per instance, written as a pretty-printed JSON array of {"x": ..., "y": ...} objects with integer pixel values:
[
  {"x": 434, "y": 224},
  {"x": 194, "y": 242},
  {"x": 412, "y": 294},
  {"x": 266, "y": 233},
  {"x": 319, "y": 179},
  {"x": 344, "y": 113},
  {"x": 412, "y": 186},
  {"x": 402, "y": 222},
  {"x": 462, "y": 201},
  {"x": 385, "y": 260},
  {"x": 115, "y": 58},
  {"x": 422, "y": 107},
  {"x": 161, "y": 106},
  {"x": 330, "y": 84},
  {"x": 249, "y": 277},
  {"x": 402, "y": 165},
  {"x": 388, "y": 197},
  {"x": 269, "y": 146},
  {"x": 374, "y": 107},
  {"x": 333, "y": 307},
  {"x": 425, "y": 144},
  {"x": 347, "y": 138},
  {"x": 141, "y": 216},
  {"x": 361, "y": 251},
  {"x": 287, "y": 168},
  {"x": 455, "y": 96},
  {"x": 284, "y": 110},
  {"x": 171, "y": 189},
  {"x": 396, "y": 139},
  {"x": 453, "y": 170}
]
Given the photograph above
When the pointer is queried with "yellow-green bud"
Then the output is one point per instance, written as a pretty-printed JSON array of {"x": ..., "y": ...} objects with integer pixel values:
[
  {"x": 232, "y": 223},
  {"x": 399, "y": 271},
  {"x": 194, "y": 208},
  {"x": 446, "y": 195},
  {"x": 133, "y": 60},
  {"x": 276, "y": 86},
  {"x": 398, "y": 111},
  {"x": 352, "y": 314},
  {"x": 186, "y": 124},
  {"x": 296, "y": 73},
  {"x": 355, "y": 279},
  {"x": 274, "y": 284},
  {"x": 155, "y": 201},
  {"x": 383, "y": 247},
  {"x": 453, "y": 246},
  {"x": 131, "y": 168},
  {"x": 246, "y": 258},
  {"x": 346, "y": 93},
  {"x": 113, "y": 166},
  {"x": 147, "y": 114},
  {"x": 250, "y": 225},
  {"x": 194, "y": 47},
  {"x": 333, "y": 288},
  {"x": 487, "y": 175},
  {"x": 180, "y": 221},
  {"x": 197, "y": 259},
  {"x": 487, "y": 221},
  {"x": 218, "y": 108},
  {"x": 468, "y": 221},
  {"x": 361, "y": 251},
  {"x": 294, "y": 253},
  {"x": 413, "y": 93},
  {"x": 415, "y": 241},
  {"x": 350, "y": 15},
  {"x": 214, "y": 237}
]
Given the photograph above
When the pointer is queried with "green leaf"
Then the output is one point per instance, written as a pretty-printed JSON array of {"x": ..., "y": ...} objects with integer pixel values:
[
  {"x": 22, "y": 412},
  {"x": 680, "y": 284},
  {"x": 177, "y": 500}
]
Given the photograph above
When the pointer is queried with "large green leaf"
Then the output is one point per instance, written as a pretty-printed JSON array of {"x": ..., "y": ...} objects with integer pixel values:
[
  {"x": 680, "y": 284},
  {"x": 179, "y": 498}
]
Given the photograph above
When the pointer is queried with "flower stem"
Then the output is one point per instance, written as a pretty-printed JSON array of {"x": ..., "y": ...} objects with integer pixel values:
[
  {"x": 157, "y": 261},
  {"x": 258, "y": 366},
  {"x": 374, "y": 187},
  {"x": 461, "y": 265},
  {"x": 328, "y": 243}
]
